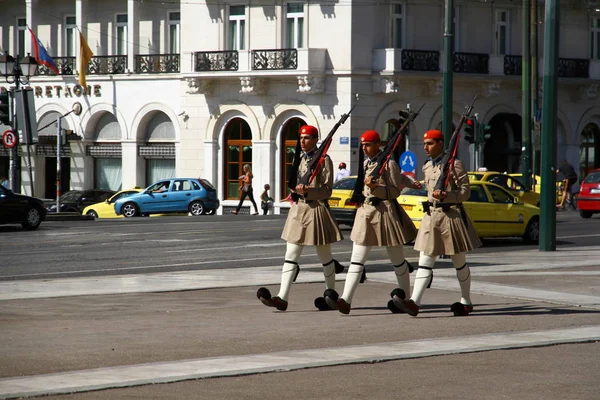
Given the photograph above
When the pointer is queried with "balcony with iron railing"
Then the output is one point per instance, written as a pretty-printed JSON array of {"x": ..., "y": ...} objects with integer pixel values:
[
  {"x": 65, "y": 65},
  {"x": 112, "y": 65},
  {"x": 107, "y": 65},
  {"x": 156, "y": 63},
  {"x": 260, "y": 61},
  {"x": 205, "y": 61},
  {"x": 400, "y": 60},
  {"x": 567, "y": 67}
]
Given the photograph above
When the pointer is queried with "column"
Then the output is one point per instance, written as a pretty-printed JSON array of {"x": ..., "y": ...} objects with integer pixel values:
[
  {"x": 132, "y": 34},
  {"x": 132, "y": 166}
]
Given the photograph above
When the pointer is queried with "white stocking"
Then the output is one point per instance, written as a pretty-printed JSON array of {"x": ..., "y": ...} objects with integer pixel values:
[
  {"x": 396, "y": 254},
  {"x": 355, "y": 270},
  {"x": 463, "y": 273},
  {"x": 423, "y": 277},
  {"x": 324, "y": 253},
  {"x": 290, "y": 267}
]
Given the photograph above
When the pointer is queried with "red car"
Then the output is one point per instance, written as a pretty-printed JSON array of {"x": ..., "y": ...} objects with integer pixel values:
[{"x": 588, "y": 199}]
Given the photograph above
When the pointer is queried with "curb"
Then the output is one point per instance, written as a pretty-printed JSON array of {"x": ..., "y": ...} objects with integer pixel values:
[{"x": 68, "y": 216}]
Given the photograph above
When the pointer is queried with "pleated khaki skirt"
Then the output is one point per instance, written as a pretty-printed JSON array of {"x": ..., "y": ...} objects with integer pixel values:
[
  {"x": 446, "y": 233},
  {"x": 311, "y": 224},
  {"x": 382, "y": 225}
]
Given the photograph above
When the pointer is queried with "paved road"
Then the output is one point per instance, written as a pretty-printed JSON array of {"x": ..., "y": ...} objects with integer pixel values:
[
  {"x": 143, "y": 245},
  {"x": 534, "y": 333}
]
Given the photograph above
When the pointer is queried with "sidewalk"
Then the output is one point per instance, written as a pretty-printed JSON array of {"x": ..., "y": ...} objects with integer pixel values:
[{"x": 97, "y": 333}]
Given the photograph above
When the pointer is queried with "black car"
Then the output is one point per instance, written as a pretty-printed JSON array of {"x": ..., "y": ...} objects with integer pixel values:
[
  {"x": 77, "y": 200},
  {"x": 17, "y": 208}
]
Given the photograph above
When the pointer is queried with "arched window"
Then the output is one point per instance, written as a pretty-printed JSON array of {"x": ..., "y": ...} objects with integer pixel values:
[
  {"x": 589, "y": 152},
  {"x": 289, "y": 137},
  {"x": 238, "y": 142}
]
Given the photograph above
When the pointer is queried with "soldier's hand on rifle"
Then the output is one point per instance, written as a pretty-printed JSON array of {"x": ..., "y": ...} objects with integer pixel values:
[
  {"x": 301, "y": 189},
  {"x": 371, "y": 182},
  {"x": 439, "y": 194}
]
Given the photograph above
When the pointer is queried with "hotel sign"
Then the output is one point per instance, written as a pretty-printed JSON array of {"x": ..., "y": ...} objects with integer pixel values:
[
  {"x": 64, "y": 91},
  {"x": 67, "y": 91}
]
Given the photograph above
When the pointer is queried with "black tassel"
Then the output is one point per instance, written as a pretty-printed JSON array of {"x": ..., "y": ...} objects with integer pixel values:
[
  {"x": 293, "y": 172},
  {"x": 357, "y": 194}
]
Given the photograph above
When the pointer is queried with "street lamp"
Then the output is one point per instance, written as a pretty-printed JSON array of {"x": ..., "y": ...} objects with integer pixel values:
[{"x": 15, "y": 71}]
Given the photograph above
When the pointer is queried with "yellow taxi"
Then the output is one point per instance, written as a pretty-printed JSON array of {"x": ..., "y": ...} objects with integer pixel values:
[
  {"x": 106, "y": 209},
  {"x": 509, "y": 183},
  {"x": 495, "y": 211},
  {"x": 536, "y": 185},
  {"x": 342, "y": 208}
]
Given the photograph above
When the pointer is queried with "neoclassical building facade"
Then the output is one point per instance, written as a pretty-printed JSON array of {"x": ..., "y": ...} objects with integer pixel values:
[{"x": 203, "y": 88}]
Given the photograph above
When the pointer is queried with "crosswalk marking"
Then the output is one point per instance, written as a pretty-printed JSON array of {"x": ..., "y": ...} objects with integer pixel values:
[{"x": 164, "y": 372}]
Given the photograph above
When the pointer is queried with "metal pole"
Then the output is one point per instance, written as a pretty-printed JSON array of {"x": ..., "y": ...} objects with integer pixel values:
[
  {"x": 476, "y": 141},
  {"x": 14, "y": 166},
  {"x": 27, "y": 131},
  {"x": 58, "y": 145},
  {"x": 534, "y": 76},
  {"x": 548, "y": 171},
  {"x": 526, "y": 100},
  {"x": 447, "y": 73}
]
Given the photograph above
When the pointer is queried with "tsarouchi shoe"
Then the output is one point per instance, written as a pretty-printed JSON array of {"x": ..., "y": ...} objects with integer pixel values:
[
  {"x": 461, "y": 310},
  {"x": 321, "y": 304},
  {"x": 331, "y": 297},
  {"x": 408, "y": 306},
  {"x": 264, "y": 295},
  {"x": 392, "y": 307},
  {"x": 343, "y": 306}
]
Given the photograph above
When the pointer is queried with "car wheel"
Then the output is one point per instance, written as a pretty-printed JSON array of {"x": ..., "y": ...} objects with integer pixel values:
[
  {"x": 586, "y": 214},
  {"x": 32, "y": 220},
  {"x": 212, "y": 211},
  {"x": 196, "y": 208},
  {"x": 532, "y": 232},
  {"x": 129, "y": 210},
  {"x": 92, "y": 213}
]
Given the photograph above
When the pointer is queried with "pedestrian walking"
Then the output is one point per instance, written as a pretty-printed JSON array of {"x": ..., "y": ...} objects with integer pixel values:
[
  {"x": 445, "y": 229},
  {"x": 4, "y": 182},
  {"x": 309, "y": 223},
  {"x": 379, "y": 221},
  {"x": 569, "y": 179},
  {"x": 246, "y": 189},
  {"x": 342, "y": 172},
  {"x": 266, "y": 201}
]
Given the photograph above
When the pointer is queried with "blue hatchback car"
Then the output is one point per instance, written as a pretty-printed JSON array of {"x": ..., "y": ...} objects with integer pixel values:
[{"x": 176, "y": 195}]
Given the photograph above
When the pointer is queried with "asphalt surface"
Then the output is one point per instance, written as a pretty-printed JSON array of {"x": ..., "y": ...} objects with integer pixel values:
[{"x": 202, "y": 333}]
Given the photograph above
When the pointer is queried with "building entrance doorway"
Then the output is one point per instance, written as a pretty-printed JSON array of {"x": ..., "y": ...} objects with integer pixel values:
[{"x": 50, "y": 180}]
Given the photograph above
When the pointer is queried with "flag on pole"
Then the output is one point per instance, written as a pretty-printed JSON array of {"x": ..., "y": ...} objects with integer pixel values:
[
  {"x": 85, "y": 55},
  {"x": 40, "y": 54}
]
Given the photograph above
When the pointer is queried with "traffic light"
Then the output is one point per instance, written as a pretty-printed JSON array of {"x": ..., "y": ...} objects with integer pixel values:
[
  {"x": 4, "y": 108},
  {"x": 470, "y": 130},
  {"x": 485, "y": 132}
]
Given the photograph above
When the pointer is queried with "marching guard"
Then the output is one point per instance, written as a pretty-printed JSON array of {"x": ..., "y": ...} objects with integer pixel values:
[{"x": 446, "y": 228}]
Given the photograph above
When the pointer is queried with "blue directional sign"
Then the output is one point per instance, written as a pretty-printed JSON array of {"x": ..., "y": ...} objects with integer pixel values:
[
  {"x": 344, "y": 140},
  {"x": 354, "y": 143},
  {"x": 408, "y": 161}
]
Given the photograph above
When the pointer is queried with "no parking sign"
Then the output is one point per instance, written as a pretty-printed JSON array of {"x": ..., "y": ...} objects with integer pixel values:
[{"x": 9, "y": 139}]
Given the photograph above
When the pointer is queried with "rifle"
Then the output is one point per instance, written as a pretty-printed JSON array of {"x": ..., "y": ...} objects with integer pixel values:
[
  {"x": 317, "y": 161},
  {"x": 384, "y": 157},
  {"x": 450, "y": 155}
]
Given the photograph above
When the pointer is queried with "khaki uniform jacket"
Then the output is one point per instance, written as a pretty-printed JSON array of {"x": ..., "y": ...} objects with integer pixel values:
[
  {"x": 309, "y": 221},
  {"x": 386, "y": 224},
  {"x": 445, "y": 232}
]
